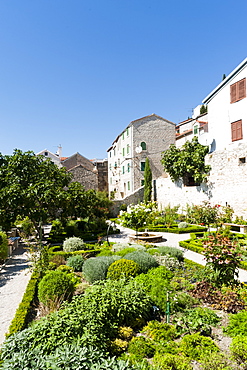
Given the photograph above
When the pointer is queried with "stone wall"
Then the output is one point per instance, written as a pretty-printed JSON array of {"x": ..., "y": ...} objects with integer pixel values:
[
  {"x": 87, "y": 178},
  {"x": 134, "y": 198},
  {"x": 226, "y": 185}
]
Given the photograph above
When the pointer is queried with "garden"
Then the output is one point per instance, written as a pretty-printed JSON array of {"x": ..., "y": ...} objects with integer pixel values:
[
  {"x": 132, "y": 306},
  {"x": 94, "y": 304}
]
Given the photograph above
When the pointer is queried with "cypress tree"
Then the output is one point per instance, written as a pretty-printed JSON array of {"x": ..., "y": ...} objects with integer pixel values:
[{"x": 147, "y": 182}]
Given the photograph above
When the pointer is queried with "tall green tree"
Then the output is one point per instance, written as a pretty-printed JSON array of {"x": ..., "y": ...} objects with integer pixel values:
[
  {"x": 147, "y": 182},
  {"x": 30, "y": 186}
]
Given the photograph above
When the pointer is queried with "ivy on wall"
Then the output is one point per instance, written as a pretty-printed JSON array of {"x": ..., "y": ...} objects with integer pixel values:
[{"x": 189, "y": 160}]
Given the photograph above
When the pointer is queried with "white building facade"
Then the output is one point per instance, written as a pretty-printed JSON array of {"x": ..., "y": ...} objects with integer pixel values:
[
  {"x": 226, "y": 131},
  {"x": 143, "y": 138}
]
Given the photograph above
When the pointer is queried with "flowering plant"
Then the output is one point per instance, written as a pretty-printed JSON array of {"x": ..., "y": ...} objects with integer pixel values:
[
  {"x": 223, "y": 258},
  {"x": 138, "y": 215}
]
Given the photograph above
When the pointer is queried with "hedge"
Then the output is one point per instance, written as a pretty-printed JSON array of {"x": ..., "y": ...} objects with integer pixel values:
[
  {"x": 175, "y": 230},
  {"x": 20, "y": 320}
]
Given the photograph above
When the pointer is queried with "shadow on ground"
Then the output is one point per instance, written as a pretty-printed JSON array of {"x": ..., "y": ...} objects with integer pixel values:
[{"x": 14, "y": 266}]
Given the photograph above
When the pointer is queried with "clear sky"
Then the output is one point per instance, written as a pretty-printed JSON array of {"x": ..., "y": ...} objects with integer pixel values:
[{"x": 77, "y": 72}]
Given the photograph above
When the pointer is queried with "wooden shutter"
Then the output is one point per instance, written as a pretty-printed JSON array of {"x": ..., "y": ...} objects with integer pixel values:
[
  {"x": 233, "y": 93},
  {"x": 236, "y": 128},
  {"x": 238, "y": 90},
  {"x": 242, "y": 89}
]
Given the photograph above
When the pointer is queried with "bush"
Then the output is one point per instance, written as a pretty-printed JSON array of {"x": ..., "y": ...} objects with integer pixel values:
[
  {"x": 73, "y": 244},
  {"x": 160, "y": 331},
  {"x": 122, "y": 269},
  {"x": 91, "y": 319},
  {"x": 3, "y": 246},
  {"x": 141, "y": 347},
  {"x": 72, "y": 357},
  {"x": 143, "y": 259},
  {"x": 173, "y": 252},
  {"x": 238, "y": 349},
  {"x": 76, "y": 262},
  {"x": 197, "y": 346},
  {"x": 182, "y": 225},
  {"x": 20, "y": 320},
  {"x": 172, "y": 362},
  {"x": 196, "y": 320},
  {"x": 95, "y": 268},
  {"x": 237, "y": 324},
  {"x": 216, "y": 361},
  {"x": 55, "y": 286}
]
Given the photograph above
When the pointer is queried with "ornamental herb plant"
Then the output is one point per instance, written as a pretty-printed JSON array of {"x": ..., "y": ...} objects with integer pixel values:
[
  {"x": 223, "y": 259},
  {"x": 139, "y": 215}
]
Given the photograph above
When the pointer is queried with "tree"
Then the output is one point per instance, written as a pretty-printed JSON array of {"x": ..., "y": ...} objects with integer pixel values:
[
  {"x": 189, "y": 160},
  {"x": 30, "y": 186},
  {"x": 203, "y": 109},
  {"x": 147, "y": 182}
]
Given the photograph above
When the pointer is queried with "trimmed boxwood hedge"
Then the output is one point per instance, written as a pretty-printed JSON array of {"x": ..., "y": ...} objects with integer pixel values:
[
  {"x": 174, "y": 229},
  {"x": 20, "y": 320}
]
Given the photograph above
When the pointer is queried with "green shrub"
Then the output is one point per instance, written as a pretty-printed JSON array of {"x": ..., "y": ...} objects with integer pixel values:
[
  {"x": 118, "y": 346},
  {"x": 3, "y": 246},
  {"x": 55, "y": 286},
  {"x": 159, "y": 331},
  {"x": 20, "y": 319},
  {"x": 72, "y": 357},
  {"x": 125, "y": 332},
  {"x": 76, "y": 262},
  {"x": 182, "y": 225},
  {"x": 141, "y": 347},
  {"x": 216, "y": 361},
  {"x": 95, "y": 268},
  {"x": 237, "y": 324},
  {"x": 173, "y": 252},
  {"x": 197, "y": 319},
  {"x": 73, "y": 244},
  {"x": 197, "y": 346},
  {"x": 65, "y": 268},
  {"x": 122, "y": 269},
  {"x": 172, "y": 362},
  {"x": 180, "y": 301},
  {"x": 238, "y": 349},
  {"x": 105, "y": 252},
  {"x": 125, "y": 251},
  {"x": 143, "y": 259},
  {"x": 91, "y": 319}
]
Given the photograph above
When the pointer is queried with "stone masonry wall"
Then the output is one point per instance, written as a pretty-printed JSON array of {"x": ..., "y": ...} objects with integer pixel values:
[
  {"x": 134, "y": 198},
  {"x": 226, "y": 185},
  {"x": 158, "y": 134},
  {"x": 87, "y": 178}
]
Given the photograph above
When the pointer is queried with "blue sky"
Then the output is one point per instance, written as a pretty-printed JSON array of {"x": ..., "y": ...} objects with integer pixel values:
[{"x": 77, "y": 72}]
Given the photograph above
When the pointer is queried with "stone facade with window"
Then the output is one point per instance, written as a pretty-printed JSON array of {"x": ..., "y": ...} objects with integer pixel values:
[
  {"x": 142, "y": 138},
  {"x": 227, "y": 140}
]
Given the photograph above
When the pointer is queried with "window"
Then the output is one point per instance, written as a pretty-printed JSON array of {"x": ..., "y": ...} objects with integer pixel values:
[
  {"x": 110, "y": 154},
  {"x": 123, "y": 136},
  {"x": 114, "y": 151},
  {"x": 142, "y": 182},
  {"x": 110, "y": 167},
  {"x": 123, "y": 152},
  {"x": 238, "y": 90},
  {"x": 46, "y": 154},
  {"x": 110, "y": 180},
  {"x": 128, "y": 185},
  {"x": 189, "y": 180},
  {"x": 142, "y": 166},
  {"x": 128, "y": 167},
  {"x": 236, "y": 128},
  {"x": 123, "y": 170},
  {"x": 143, "y": 145},
  {"x": 127, "y": 131},
  {"x": 115, "y": 165},
  {"x": 242, "y": 160},
  {"x": 128, "y": 148},
  {"x": 195, "y": 130}
]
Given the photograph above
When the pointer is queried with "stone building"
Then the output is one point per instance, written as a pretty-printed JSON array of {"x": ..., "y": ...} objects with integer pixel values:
[
  {"x": 92, "y": 174},
  {"x": 226, "y": 136},
  {"x": 143, "y": 138}
]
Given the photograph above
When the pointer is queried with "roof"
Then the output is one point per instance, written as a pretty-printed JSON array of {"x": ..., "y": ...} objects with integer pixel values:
[
  {"x": 228, "y": 78},
  {"x": 136, "y": 120}
]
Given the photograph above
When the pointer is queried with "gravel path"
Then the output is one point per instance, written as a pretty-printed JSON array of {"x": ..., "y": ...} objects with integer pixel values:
[
  {"x": 171, "y": 240},
  {"x": 14, "y": 277}
]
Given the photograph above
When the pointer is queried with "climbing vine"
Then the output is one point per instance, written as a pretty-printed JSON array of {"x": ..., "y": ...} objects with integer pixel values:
[{"x": 189, "y": 160}]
